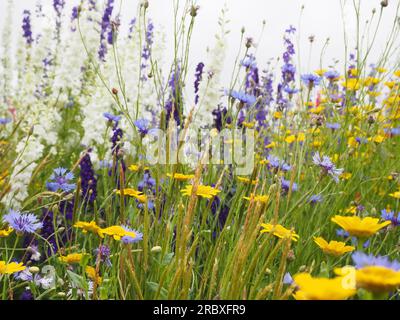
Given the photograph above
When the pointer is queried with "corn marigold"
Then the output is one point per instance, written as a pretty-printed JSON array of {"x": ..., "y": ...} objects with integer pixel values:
[
  {"x": 358, "y": 227},
  {"x": 333, "y": 248},
  {"x": 279, "y": 231},
  {"x": 202, "y": 191}
]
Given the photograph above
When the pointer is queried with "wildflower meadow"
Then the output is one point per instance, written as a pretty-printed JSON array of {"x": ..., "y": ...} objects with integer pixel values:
[{"x": 129, "y": 174}]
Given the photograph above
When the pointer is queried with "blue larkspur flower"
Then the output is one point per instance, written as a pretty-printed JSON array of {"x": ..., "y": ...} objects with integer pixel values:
[
  {"x": 362, "y": 259},
  {"x": 60, "y": 180},
  {"x": 128, "y": 239},
  {"x": 22, "y": 222},
  {"x": 327, "y": 166}
]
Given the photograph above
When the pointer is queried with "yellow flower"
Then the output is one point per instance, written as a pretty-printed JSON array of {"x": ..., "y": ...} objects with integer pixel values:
[
  {"x": 395, "y": 194},
  {"x": 4, "y": 233},
  {"x": 137, "y": 167},
  {"x": 71, "y": 258},
  {"x": 277, "y": 115},
  {"x": 290, "y": 139},
  {"x": 378, "y": 139},
  {"x": 352, "y": 84},
  {"x": 279, "y": 231},
  {"x": 260, "y": 198},
  {"x": 377, "y": 279},
  {"x": 380, "y": 70},
  {"x": 10, "y": 268},
  {"x": 316, "y": 110},
  {"x": 352, "y": 142},
  {"x": 397, "y": 73},
  {"x": 133, "y": 193},
  {"x": 320, "y": 72},
  {"x": 358, "y": 227},
  {"x": 301, "y": 137},
  {"x": 390, "y": 84},
  {"x": 247, "y": 180},
  {"x": 249, "y": 125},
  {"x": 270, "y": 145},
  {"x": 345, "y": 176},
  {"x": 333, "y": 248},
  {"x": 371, "y": 81},
  {"x": 89, "y": 227},
  {"x": 92, "y": 274},
  {"x": 180, "y": 176},
  {"x": 202, "y": 191},
  {"x": 117, "y": 232},
  {"x": 321, "y": 288}
]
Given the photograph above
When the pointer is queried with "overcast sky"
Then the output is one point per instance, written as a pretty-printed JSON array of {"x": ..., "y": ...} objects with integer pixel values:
[{"x": 321, "y": 18}]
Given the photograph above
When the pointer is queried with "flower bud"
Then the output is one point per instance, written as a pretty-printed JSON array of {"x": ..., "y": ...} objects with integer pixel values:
[
  {"x": 384, "y": 3},
  {"x": 34, "y": 270},
  {"x": 156, "y": 249}
]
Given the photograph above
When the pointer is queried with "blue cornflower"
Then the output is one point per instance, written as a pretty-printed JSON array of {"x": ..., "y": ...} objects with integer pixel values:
[
  {"x": 327, "y": 166},
  {"x": 362, "y": 259},
  {"x": 286, "y": 185},
  {"x": 22, "y": 222},
  {"x": 143, "y": 126},
  {"x": 290, "y": 90},
  {"x": 243, "y": 97},
  {"x": 249, "y": 61},
  {"x": 315, "y": 198},
  {"x": 389, "y": 216},
  {"x": 129, "y": 239},
  {"x": 60, "y": 180},
  {"x": 333, "y": 126},
  {"x": 5, "y": 120},
  {"x": 342, "y": 233},
  {"x": 332, "y": 75},
  {"x": 275, "y": 163},
  {"x": 111, "y": 117},
  {"x": 310, "y": 80}
]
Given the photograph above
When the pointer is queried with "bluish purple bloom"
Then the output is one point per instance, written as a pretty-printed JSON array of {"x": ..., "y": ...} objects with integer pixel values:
[
  {"x": 327, "y": 166},
  {"x": 129, "y": 239},
  {"x": 60, "y": 180},
  {"x": 342, "y": 233},
  {"x": 333, "y": 126},
  {"x": 22, "y": 222},
  {"x": 310, "y": 80},
  {"x": 26, "y": 27},
  {"x": 88, "y": 179},
  {"x": 111, "y": 117},
  {"x": 243, "y": 97},
  {"x": 287, "y": 279},
  {"x": 277, "y": 164},
  {"x": 103, "y": 254},
  {"x": 143, "y": 126},
  {"x": 290, "y": 90},
  {"x": 362, "y": 259},
  {"x": 106, "y": 28},
  {"x": 332, "y": 75},
  {"x": 198, "y": 78},
  {"x": 5, "y": 120},
  {"x": 315, "y": 198},
  {"x": 390, "y": 216},
  {"x": 286, "y": 185}
]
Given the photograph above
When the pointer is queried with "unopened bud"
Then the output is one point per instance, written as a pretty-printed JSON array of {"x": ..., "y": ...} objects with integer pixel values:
[
  {"x": 114, "y": 91},
  {"x": 34, "y": 270},
  {"x": 384, "y": 3},
  {"x": 156, "y": 249}
]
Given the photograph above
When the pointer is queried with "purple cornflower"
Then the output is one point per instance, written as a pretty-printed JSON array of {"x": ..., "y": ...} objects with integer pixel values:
[
  {"x": 60, "y": 180},
  {"x": 333, "y": 126},
  {"x": 198, "y": 78},
  {"x": 5, "y": 120},
  {"x": 26, "y": 27},
  {"x": 277, "y": 164},
  {"x": 290, "y": 91},
  {"x": 315, "y": 198},
  {"x": 332, "y": 75},
  {"x": 110, "y": 117},
  {"x": 243, "y": 97},
  {"x": 22, "y": 222},
  {"x": 286, "y": 185},
  {"x": 88, "y": 179},
  {"x": 390, "y": 216},
  {"x": 103, "y": 254},
  {"x": 327, "y": 166},
  {"x": 128, "y": 239},
  {"x": 143, "y": 126},
  {"x": 361, "y": 260},
  {"x": 310, "y": 80}
]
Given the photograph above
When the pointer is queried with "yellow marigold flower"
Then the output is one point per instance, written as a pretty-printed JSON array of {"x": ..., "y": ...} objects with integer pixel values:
[
  {"x": 259, "y": 198},
  {"x": 352, "y": 84},
  {"x": 333, "y": 248},
  {"x": 247, "y": 180},
  {"x": 133, "y": 193},
  {"x": 270, "y": 145},
  {"x": 378, "y": 138},
  {"x": 71, "y": 258},
  {"x": 354, "y": 72},
  {"x": 345, "y": 176},
  {"x": 92, "y": 274},
  {"x": 395, "y": 194},
  {"x": 397, "y": 73},
  {"x": 374, "y": 93},
  {"x": 316, "y": 110},
  {"x": 202, "y": 191},
  {"x": 249, "y": 125},
  {"x": 371, "y": 81},
  {"x": 290, "y": 139},
  {"x": 277, "y": 115},
  {"x": 377, "y": 279},
  {"x": 390, "y": 84},
  {"x": 10, "y": 268},
  {"x": 317, "y": 143},
  {"x": 89, "y": 227},
  {"x": 352, "y": 142},
  {"x": 279, "y": 231},
  {"x": 301, "y": 137},
  {"x": 181, "y": 176},
  {"x": 381, "y": 70},
  {"x": 358, "y": 227},
  {"x": 137, "y": 167},
  {"x": 351, "y": 209},
  {"x": 117, "y": 232},
  {"x": 310, "y": 104},
  {"x": 321, "y": 288},
  {"x": 4, "y": 233}
]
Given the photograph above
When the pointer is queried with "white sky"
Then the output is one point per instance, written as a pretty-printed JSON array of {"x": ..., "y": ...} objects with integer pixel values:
[{"x": 321, "y": 18}]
